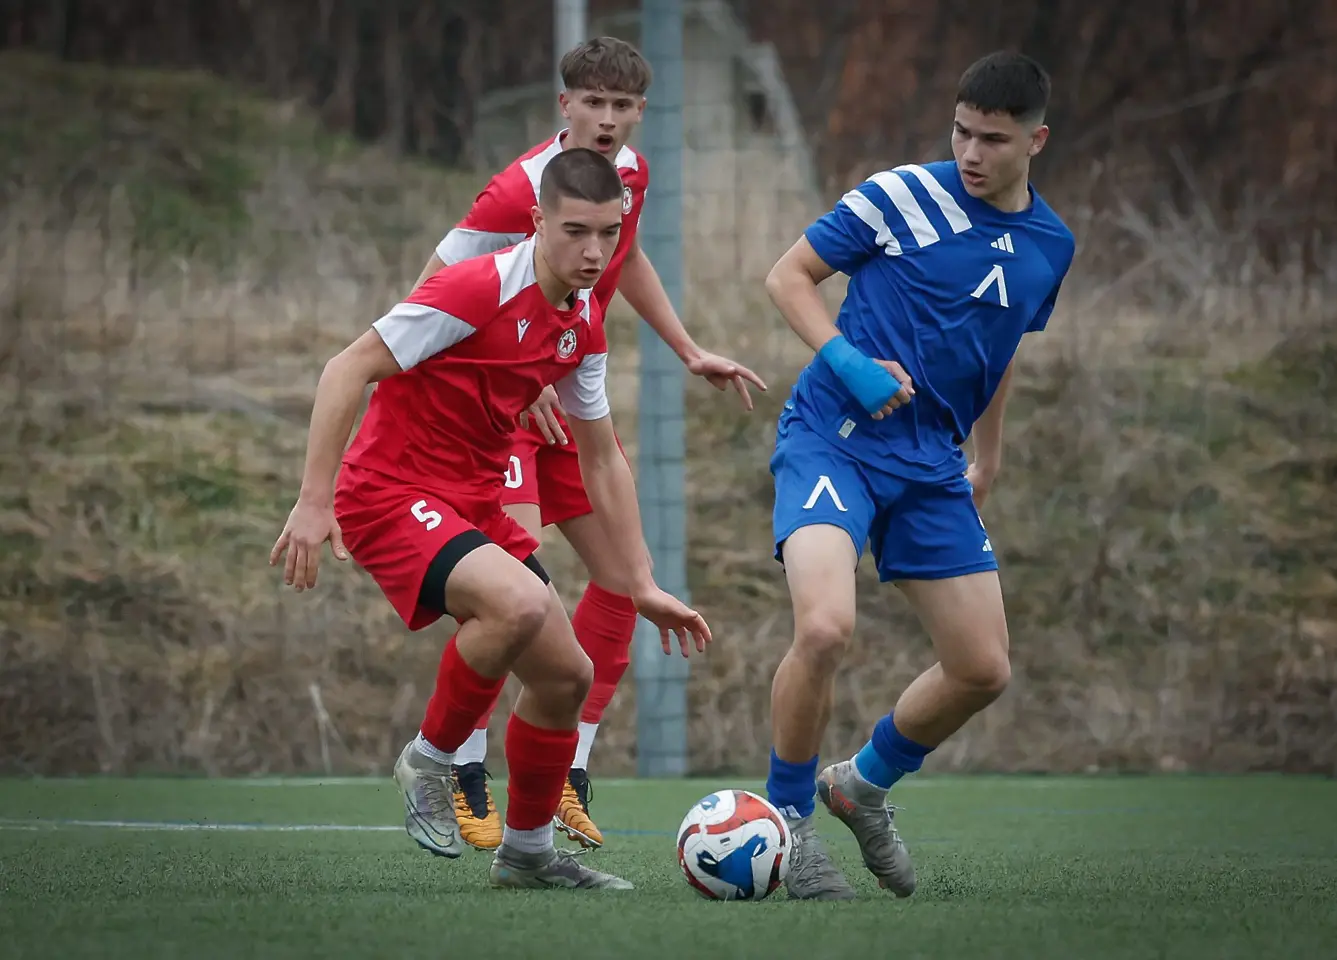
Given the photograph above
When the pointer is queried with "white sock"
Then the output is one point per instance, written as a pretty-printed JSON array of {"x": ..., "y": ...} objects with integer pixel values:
[
  {"x": 528, "y": 841},
  {"x": 431, "y": 752},
  {"x": 583, "y": 745},
  {"x": 473, "y": 750}
]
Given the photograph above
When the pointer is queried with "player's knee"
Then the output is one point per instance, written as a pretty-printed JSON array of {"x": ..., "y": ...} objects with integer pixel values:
[
  {"x": 986, "y": 675},
  {"x": 520, "y": 608},
  {"x": 565, "y": 684},
  {"x": 581, "y": 679},
  {"x": 822, "y": 636}
]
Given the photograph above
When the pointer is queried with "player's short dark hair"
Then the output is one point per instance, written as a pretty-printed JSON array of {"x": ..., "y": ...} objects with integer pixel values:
[
  {"x": 605, "y": 63},
  {"x": 580, "y": 174},
  {"x": 1006, "y": 82}
]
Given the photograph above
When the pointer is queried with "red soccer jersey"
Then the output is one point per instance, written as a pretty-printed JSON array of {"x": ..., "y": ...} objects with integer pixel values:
[
  {"x": 476, "y": 344},
  {"x": 501, "y": 214}
]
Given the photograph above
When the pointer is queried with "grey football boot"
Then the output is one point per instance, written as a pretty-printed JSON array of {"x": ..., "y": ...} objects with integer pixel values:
[
  {"x": 813, "y": 875},
  {"x": 864, "y": 809},
  {"x": 429, "y": 802},
  {"x": 552, "y": 868}
]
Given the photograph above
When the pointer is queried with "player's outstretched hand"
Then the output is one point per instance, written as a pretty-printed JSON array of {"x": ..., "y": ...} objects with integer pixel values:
[
  {"x": 303, "y": 536},
  {"x": 671, "y": 615},
  {"x": 544, "y": 412},
  {"x": 902, "y": 396},
  {"x": 720, "y": 372}
]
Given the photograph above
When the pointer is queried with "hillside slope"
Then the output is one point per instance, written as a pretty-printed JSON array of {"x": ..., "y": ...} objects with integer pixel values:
[{"x": 180, "y": 259}]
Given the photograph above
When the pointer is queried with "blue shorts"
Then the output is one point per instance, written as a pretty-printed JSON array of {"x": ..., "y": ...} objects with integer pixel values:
[{"x": 915, "y": 530}]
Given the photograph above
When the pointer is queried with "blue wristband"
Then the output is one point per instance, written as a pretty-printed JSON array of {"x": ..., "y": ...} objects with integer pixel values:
[{"x": 871, "y": 383}]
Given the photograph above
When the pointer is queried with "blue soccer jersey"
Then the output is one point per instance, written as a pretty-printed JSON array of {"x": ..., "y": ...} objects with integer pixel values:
[{"x": 945, "y": 285}]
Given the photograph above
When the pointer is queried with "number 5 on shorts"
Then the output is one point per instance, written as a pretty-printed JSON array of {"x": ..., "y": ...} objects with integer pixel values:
[{"x": 429, "y": 517}]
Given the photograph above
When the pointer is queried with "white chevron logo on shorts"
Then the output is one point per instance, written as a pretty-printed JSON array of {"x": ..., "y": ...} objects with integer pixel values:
[
  {"x": 824, "y": 483},
  {"x": 1004, "y": 243}
]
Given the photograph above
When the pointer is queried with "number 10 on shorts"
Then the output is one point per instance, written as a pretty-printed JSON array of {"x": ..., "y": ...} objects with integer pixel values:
[{"x": 515, "y": 478}]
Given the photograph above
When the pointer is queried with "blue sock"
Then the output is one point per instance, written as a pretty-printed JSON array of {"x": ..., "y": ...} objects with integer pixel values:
[
  {"x": 792, "y": 787},
  {"x": 888, "y": 755}
]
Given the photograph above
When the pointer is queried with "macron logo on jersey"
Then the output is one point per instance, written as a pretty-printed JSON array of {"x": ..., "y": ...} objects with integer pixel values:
[
  {"x": 1004, "y": 243},
  {"x": 521, "y": 327}
]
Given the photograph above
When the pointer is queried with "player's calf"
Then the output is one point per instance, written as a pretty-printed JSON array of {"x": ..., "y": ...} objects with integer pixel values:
[
  {"x": 541, "y": 737},
  {"x": 539, "y": 760},
  {"x": 965, "y": 621},
  {"x": 819, "y": 563},
  {"x": 501, "y": 606}
]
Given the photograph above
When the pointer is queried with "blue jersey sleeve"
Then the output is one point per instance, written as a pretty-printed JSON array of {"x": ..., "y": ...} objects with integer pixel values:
[
  {"x": 854, "y": 231},
  {"x": 1061, "y": 263},
  {"x": 1041, "y": 318}
]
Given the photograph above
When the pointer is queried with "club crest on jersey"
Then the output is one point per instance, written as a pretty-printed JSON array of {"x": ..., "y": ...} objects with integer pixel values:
[
  {"x": 626, "y": 200},
  {"x": 567, "y": 344}
]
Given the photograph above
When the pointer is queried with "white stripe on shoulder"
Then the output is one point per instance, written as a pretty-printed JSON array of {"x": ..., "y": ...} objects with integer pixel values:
[
  {"x": 898, "y": 191},
  {"x": 960, "y": 223},
  {"x": 462, "y": 244},
  {"x": 533, "y": 167},
  {"x": 627, "y": 159},
  {"x": 867, "y": 211},
  {"x": 415, "y": 331},
  {"x": 515, "y": 267}
]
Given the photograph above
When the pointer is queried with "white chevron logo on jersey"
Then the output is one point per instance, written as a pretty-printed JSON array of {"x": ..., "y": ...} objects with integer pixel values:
[{"x": 1004, "y": 243}]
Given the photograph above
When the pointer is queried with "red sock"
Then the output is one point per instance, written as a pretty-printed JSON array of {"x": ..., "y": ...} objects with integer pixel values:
[
  {"x": 482, "y": 722},
  {"x": 537, "y": 761},
  {"x": 605, "y": 624},
  {"x": 460, "y": 697}
]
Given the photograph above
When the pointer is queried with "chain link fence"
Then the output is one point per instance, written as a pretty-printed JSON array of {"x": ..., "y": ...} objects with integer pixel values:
[{"x": 183, "y": 250}]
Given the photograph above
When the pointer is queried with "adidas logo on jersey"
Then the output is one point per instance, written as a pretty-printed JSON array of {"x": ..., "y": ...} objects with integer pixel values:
[{"x": 1004, "y": 243}]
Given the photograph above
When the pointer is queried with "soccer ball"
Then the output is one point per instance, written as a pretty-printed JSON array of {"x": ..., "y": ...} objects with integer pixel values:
[{"x": 734, "y": 845}]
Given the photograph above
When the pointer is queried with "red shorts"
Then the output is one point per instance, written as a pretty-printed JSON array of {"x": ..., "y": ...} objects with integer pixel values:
[
  {"x": 395, "y": 531},
  {"x": 547, "y": 474}
]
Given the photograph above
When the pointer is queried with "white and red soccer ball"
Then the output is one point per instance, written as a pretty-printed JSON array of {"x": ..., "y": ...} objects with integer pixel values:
[{"x": 734, "y": 845}]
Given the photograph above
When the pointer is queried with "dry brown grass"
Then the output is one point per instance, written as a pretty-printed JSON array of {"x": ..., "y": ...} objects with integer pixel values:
[{"x": 1163, "y": 519}]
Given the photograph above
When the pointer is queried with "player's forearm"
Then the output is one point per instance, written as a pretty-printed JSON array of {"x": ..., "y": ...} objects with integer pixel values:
[
  {"x": 794, "y": 293},
  {"x": 986, "y": 440},
  {"x": 645, "y": 293},
  {"x": 612, "y": 492},
  {"x": 433, "y": 265},
  {"x": 338, "y": 395},
  {"x": 986, "y": 437}
]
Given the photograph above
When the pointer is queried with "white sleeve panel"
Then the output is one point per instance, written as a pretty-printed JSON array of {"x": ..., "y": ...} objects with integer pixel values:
[
  {"x": 414, "y": 332},
  {"x": 462, "y": 244},
  {"x": 582, "y": 392}
]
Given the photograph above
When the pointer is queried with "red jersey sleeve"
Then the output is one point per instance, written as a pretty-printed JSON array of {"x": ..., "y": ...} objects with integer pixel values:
[
  {"x": 583, "y": 392},
  {"x": 500, "y": 217},
  {"x": 447, "y": 307}
]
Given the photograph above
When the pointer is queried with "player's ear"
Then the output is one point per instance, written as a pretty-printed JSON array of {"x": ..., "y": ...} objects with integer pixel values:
[
  {"x": 536, "y": 214},
  {"x": 1038, "y": 139},
  {"x": 564, "y": 104}
]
